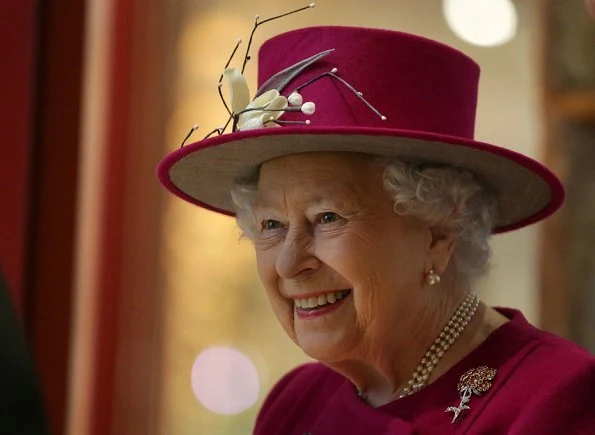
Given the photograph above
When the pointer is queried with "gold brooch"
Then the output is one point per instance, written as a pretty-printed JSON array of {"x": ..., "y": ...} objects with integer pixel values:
[{"x": 475, "y": 381}]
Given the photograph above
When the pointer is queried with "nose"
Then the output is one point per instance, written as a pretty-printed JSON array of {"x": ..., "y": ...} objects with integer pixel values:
[{"x": 296, "y": 257}]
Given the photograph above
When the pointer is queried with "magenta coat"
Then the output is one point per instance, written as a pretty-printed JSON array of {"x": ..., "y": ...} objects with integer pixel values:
[{"x": 544, "y": 385}]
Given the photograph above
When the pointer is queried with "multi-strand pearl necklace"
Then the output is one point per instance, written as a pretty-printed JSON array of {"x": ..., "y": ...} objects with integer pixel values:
[
  {"x": 453, "y": 329},
  {"x": 455, "y": 326}
]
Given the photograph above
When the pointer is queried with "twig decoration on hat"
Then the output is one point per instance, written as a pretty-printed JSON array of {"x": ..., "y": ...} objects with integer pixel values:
[
  {"x": 268, "y": 104},
  {"x": 333, "y": 73}
]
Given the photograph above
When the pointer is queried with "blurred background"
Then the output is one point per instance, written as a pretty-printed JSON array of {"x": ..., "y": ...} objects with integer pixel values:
[{"x": 143, "y": 314}]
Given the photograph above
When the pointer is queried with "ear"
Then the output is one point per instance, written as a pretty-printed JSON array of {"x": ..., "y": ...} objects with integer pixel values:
[{"x": 441, "y": 248}]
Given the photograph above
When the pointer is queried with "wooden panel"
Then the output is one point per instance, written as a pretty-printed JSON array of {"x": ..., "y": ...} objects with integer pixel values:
[
  {"x": 570, "y": 42},
  {"x": 578, "y": 252},
  {"x": 579, "y": 105},
  {"x": 568, "y": 243}
]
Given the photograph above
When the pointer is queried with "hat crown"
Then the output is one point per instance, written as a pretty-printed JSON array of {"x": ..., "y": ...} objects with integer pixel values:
[{"x": 416, "y": 83}]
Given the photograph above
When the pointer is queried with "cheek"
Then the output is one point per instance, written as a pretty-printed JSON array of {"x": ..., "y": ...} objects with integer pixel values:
[
  {"x": 385, "y": 268},
  {"x": 374, "y": 254}
]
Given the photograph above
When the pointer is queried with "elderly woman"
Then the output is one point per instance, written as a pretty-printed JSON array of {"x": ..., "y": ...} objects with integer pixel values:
[{"x": 355, "y": 174}]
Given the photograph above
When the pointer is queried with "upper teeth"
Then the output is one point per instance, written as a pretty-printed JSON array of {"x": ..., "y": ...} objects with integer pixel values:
[{"x": 316, "y": 301}]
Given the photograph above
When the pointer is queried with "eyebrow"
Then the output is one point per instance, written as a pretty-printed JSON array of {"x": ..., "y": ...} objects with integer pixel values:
[{"x": 335, "y": 192}]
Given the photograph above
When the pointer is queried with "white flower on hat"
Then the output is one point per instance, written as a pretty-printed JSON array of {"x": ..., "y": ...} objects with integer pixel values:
[
  {"x": 258, "y": 113},
  {"x": 295, "y": 99},
  {"x": 238, "y": 88},
  {"x": 267, "y": 108},
  {"x": 308, "y": 108}
]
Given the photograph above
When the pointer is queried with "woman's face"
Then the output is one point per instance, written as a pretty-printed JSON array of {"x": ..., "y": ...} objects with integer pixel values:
[{"x": 342, "y": 270}]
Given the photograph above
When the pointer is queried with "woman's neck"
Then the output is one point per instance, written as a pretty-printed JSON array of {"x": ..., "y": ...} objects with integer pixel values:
[{"x": 380, "y": 372}]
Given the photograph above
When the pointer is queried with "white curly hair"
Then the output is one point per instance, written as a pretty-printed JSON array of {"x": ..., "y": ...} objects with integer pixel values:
[{"x": 443, "y": 196}]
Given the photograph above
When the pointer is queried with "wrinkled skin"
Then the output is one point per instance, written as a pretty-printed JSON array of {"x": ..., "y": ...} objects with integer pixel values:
[{"x": 329, "y": 224}]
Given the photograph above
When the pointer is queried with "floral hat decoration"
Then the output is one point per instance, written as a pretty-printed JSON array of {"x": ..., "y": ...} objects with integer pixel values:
[{"x": 353, "y": 89}]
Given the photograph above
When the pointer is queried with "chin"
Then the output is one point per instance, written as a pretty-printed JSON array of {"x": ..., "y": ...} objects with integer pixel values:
[{"x": 324, "y": 347}]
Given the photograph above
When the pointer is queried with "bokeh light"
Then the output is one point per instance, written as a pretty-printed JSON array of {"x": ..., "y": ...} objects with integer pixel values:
[
  {"x": 482, "y": 22},
  {"x": 225, "y": 380}
]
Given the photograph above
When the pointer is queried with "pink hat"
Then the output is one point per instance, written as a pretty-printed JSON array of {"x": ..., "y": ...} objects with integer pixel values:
[{"x": 375, "y": 91}]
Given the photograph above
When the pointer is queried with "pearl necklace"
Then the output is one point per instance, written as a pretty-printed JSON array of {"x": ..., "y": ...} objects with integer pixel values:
[
  {"x": 453, "y": 329},
  {"x": 455, "y": 326}
]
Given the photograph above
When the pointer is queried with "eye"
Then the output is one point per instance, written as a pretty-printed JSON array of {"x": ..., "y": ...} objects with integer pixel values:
[
  {"x": 270, "y": 224},
  {"x": 328, "y": 217}
]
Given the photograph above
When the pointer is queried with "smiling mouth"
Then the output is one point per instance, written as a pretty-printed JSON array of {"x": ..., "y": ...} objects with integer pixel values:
[{"x": 318, "y": 302}]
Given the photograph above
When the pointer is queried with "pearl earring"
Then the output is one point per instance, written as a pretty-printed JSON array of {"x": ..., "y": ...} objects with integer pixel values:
[{"x": 432, "y": 278}]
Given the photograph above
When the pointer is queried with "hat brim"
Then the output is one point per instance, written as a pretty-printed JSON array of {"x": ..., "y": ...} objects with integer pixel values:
[{"x": 204, "y": 172}]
